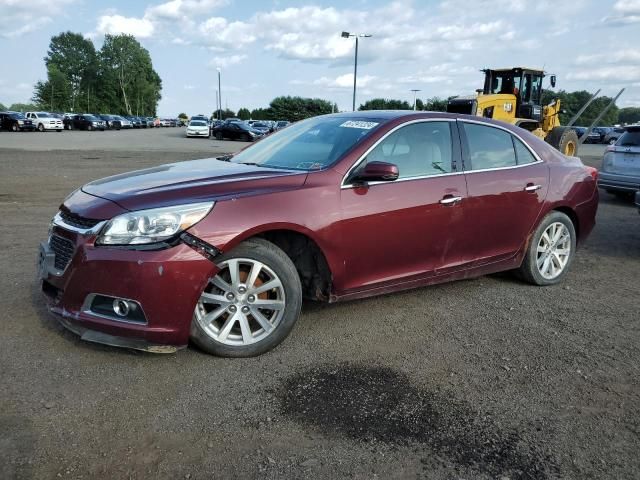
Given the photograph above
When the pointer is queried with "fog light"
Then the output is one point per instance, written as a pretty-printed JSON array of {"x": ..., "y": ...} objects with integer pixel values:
[{"x": 121, "y": 307}]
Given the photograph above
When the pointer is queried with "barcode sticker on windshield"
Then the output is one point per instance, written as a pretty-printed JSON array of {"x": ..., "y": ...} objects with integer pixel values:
[{"x": 359, "y": 124}]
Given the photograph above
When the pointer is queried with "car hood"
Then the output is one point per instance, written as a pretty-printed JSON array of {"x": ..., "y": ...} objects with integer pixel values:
[{"x": 190, "y": 182}]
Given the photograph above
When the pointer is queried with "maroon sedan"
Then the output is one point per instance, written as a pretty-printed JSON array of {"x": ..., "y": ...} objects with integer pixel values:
[{"x": 222, "y": 251}]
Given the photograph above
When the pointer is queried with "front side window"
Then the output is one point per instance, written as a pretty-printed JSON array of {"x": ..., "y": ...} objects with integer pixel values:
[
  {"x": 489, "y": 147},
  {"x": 419, "y": 149}
]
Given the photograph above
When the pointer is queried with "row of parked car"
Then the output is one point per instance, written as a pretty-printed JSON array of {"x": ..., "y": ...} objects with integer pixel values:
[
  {"x": 232, "y": 128},
  {"x": 607, "y": 135},
  {"x": 43, "y": 121}
]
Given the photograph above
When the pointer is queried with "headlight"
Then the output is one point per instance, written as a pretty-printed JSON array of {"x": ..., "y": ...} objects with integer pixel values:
[
  {"x": 20, "y": 122},
  {"x": 151, "y": 226}
]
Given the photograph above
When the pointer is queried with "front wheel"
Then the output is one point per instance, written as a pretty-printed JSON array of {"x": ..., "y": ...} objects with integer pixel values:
[
  {"x": 219, "y": 136},
  {"x": 565, "y": 140},
  {"x": 251, "y": 304},
  {"x": 41, "y": 128},
  {"x": 89, "y": 128},
  {"x": 551, "y": 250}
]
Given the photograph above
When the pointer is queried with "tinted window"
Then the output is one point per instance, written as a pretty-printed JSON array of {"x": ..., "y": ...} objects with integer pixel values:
[
  {"x": 489, "y": 147},
  {"x": 418, "y": 149},
  {"x": 629, "y": 139},
  {"x": 198, "y": 123},
  {"x": 523, "y": 154}
]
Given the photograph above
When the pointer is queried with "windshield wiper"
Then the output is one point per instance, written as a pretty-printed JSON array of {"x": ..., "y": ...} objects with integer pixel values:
[{"x": 225, "y": 158}]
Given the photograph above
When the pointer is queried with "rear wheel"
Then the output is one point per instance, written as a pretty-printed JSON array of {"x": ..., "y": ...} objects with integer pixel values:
[
  {"x": 565, "y": 140},
  {"x": 251, "y": 304},
  {"x": 551, "y": 250}
]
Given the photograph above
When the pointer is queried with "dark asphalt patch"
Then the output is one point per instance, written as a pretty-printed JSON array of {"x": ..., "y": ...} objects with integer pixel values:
[{"x": 379, "y": 404}]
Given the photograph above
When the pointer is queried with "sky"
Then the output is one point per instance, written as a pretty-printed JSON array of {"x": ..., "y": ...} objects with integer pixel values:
[{"x": 275, "y": 47}]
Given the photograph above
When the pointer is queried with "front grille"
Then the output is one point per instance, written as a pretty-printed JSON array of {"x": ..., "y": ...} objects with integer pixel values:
[
  {"x": 63, "y": 249},
  {"x": 77, "y": 221}
]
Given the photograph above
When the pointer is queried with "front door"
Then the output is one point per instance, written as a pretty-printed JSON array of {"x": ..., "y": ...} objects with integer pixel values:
[{"x": 402, "y": 230}]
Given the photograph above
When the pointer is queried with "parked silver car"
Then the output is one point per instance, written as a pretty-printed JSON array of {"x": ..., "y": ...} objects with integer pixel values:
[
  {"x": 613, "y": 135},
  {"x": 620, "y": 172}
]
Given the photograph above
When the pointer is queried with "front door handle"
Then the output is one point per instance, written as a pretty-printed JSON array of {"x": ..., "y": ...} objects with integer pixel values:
[
  {"x": 532, "y": 188},
  {"x": 450, "y": 200}
]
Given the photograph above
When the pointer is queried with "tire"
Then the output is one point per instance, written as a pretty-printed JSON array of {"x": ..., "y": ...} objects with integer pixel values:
[
  {"x": 276, "y": 267},
  {"x": 219, "y": 136},
  {"x": 15, "y": 127},
  {"x": 529, "y": 270},
  {"x": 58, "y": 131},
  {"x": 565, "y": 140},
  {"x": 245, "y": 138},
  {"x": 70, "y": 126},
  {"x": 41, "y": 128},
  {"x": 89, "y": 128}
]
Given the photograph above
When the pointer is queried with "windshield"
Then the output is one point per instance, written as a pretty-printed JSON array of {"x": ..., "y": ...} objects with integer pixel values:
[
  {"x": 18, "y": 116},
  {"x": 198, "y": 123},
  {"x": 311, "y": 144},
  {"x": 91, "y": 118},
  {"x": 630, "y": 138}
]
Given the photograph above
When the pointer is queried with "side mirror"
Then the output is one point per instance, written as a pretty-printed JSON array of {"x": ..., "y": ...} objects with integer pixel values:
[
  {"x": 378, "y": 172},
  {"x": 553, "y": 81}
]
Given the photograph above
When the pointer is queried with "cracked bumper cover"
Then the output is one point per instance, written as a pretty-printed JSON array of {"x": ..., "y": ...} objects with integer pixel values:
[{"x": 166, "y": 283}]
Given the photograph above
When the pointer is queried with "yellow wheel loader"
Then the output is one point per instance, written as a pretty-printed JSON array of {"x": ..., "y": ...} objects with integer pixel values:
[{"x": 515, "y": 96}]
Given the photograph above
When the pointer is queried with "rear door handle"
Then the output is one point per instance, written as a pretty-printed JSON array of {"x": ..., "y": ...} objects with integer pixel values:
[
  {"x": 450, "y": 200},
  {"x": 532, "y": 188}
]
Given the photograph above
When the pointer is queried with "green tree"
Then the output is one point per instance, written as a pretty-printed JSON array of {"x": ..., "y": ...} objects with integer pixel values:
[
  {"x": 129, "y": 82},
  {"x": 53, "y": 94},
  {"x": 2, "y": 107},
  {"x": 226, "y": 113},
  {"x": 436, "y": 104},
  {"x": 385, "y": 104},
  {"x": 244, "y": 114},
  {"x": 296, "y": 108},
  {"x": 72, "y": 57},
  {"x": 419, "y": 104},
  {"x": 262, "y": 114},
  {"x": 629, "y": 115},
  {"x": 23, "y": 107},
  {"x": 571, "y": 102}
]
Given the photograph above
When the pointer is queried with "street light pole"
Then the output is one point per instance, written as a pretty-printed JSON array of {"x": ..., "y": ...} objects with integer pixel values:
[
  {"x": 355, "y": 63},
  {"x": 415, "y": 90},
  {"x": 219, "y": 96}
]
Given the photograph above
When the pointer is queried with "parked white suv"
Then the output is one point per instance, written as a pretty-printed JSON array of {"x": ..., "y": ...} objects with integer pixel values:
[{"x": 45, "y": 121}]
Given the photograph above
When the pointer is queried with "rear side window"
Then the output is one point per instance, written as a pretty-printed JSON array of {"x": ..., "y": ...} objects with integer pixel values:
[
  {"x": 523, "y": 154},
  {"x": 630, "y": 138},
  {"x": 489, "y": 147}
]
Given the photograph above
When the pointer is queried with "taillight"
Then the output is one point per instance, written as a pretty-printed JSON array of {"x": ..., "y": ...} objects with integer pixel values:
[{"x": 593, "y": 172}]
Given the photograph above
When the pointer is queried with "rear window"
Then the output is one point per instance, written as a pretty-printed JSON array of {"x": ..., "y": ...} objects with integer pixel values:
[
  {"x": 198, "y": 123},
  {"x": 630, "y": 138}
]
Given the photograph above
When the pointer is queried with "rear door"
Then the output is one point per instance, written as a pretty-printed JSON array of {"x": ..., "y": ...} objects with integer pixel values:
[
  {"x": 397, "y": 231},
  {"x": 507, "y": 184}
]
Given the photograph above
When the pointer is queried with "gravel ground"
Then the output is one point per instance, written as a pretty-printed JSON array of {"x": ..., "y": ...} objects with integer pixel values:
[{"x": 485, "y": 378}]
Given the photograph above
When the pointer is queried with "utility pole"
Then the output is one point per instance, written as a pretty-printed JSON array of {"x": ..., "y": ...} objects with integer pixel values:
[
  {"x": 355, "y": 64},
  {"x": 415, "y": 90},
  {"x": 219, "y": 96}
]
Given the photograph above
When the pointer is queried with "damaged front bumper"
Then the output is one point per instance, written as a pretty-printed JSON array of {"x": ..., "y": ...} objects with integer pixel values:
[{"x": 163, "y": 287}]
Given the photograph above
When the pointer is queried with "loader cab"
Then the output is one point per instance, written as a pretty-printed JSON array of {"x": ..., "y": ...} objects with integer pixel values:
[{"x": 525, "y": 84}]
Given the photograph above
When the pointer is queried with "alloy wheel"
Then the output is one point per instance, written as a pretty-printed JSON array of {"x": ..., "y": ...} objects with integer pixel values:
[
  {"x": 554, "y": 250},
  {"x": 242, "y": 304}
]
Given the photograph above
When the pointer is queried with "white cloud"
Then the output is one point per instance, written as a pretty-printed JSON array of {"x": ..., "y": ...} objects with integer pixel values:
[
  {"x": 224, "y": 62},
  {"x": 627, "y": 13},
  {"x": 18, "y": 17},
  {"x": 344, "y": 81},
  {"x": 179, "y": 9},
  {"x": 115, "y": 24},
  {"x": 625, "y": 73},
  {"x": 222, "y": 35}
]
